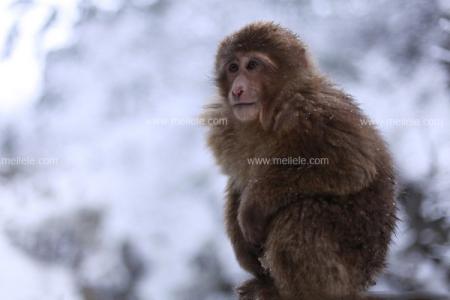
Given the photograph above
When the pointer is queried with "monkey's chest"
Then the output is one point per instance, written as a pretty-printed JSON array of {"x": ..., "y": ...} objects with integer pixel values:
[{"x": 246, "y": 161}]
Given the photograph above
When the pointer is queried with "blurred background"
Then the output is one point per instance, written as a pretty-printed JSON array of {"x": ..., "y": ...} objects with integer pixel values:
[{"x": 107, "y": 191}]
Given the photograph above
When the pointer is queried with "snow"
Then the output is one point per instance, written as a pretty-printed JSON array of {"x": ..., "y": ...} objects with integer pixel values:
[{"x": 90, "y": 94}]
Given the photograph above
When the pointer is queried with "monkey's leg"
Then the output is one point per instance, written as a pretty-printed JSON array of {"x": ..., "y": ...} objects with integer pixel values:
[
  {"x": 258, "y": 289},
  {"x": 303, "y": 260},
  {"x": 246, "y": 254}
]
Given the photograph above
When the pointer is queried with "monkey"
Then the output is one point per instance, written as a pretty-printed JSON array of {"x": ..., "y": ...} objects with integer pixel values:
[{"x": 304, "y": 231}]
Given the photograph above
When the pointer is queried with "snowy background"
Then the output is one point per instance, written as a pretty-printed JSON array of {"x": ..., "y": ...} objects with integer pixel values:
[{"x": 107, "y": 191}]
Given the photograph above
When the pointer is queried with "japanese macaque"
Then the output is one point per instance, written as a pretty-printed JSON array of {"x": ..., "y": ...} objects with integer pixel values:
[{"x": 304, "y": 230}]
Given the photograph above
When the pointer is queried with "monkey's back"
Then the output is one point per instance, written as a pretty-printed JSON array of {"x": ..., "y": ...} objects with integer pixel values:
[{"x": 334, "y": 238}]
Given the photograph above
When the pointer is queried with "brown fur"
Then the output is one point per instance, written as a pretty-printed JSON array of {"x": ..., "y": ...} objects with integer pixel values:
[{"x": 304, "y": 232}]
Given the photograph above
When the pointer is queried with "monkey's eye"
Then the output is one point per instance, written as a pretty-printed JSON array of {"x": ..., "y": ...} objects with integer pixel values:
[
  {"x": 233, "y": 67},
  {"x": 252, "y": 64}
]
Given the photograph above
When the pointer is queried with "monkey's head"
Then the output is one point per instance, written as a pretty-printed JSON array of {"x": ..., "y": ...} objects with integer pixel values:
[{"x": 252, "y": 66}]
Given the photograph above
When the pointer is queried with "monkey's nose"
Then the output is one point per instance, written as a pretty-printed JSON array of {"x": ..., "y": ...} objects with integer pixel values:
[{"x": 238, "y": 92}]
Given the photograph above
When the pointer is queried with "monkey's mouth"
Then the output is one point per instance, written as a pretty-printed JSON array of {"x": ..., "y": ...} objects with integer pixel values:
[{"x": 243, "y": 104}]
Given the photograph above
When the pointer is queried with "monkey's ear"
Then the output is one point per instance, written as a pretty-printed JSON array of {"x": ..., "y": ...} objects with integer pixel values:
[
  {"x": 286, "y": 120},
  {"x": 287, "y": 117},
  {"x": 280, "y": 113},
  {"x": 266, "y": 116}
]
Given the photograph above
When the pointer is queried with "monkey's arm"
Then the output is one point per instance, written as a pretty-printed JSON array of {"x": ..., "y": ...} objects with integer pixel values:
[
  {"x": 246, "y": 254},
  {"x": 260, "y": 201}
]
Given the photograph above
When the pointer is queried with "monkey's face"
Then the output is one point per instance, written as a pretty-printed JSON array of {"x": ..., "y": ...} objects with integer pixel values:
[{"x": 247, "y": 77}]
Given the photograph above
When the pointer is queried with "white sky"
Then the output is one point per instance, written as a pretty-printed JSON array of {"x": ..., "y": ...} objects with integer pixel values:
[{"x": 21, "y": 72}]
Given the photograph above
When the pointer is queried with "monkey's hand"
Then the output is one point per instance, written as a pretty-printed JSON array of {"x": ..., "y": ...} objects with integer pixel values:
[{"x": 252, "y": 219}]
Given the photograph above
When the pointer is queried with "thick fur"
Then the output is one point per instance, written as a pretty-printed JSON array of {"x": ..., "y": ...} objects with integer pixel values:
[{"x": 303, "y": 231}]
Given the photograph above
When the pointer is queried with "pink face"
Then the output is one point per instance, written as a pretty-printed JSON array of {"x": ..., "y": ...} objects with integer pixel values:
[{"x": 246, "y": 74}]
